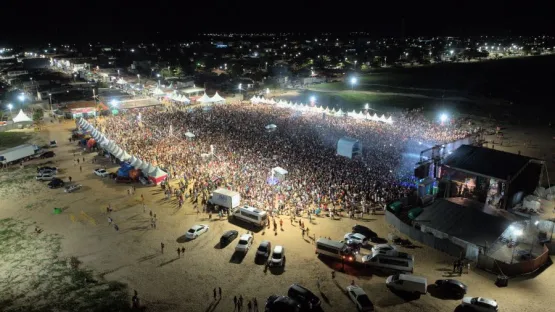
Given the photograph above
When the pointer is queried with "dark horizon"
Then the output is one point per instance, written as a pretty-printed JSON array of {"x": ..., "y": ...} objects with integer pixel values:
[{"x": 129, "y": 21}]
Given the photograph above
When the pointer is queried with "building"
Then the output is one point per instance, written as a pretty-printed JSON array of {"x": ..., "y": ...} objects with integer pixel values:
[{"x": 82, "y": 109}]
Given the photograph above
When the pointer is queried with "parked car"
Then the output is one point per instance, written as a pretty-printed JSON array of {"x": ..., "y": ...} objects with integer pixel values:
[
  {"x": 196, "y": 230},
  {"x": 307, "y": 299},
  {"x": 278, "y": 257},
  {"x": 364, "y": 231},
  {"x": 480, "y": 304},
  {"x": 101, "y": 172},
  {"x": 276, "y": 303},
  {"x": 357, "y": 238},
  {"x": 71, "y": 188},
  {"x": 360, "y": 298},
  {"x": 53, "y": 144},
  {"x": 228, "y": 237},
  {"x": 385, "y": 249},
  {"x": 55, "y": 183},
  {"x": 39, "y": 169},
  {"x": 123, "y": 180},
  {"x": 48, "y": 154},
  {"x": 407, "y": 283},
  {"x": 244, "y": 244},
  {"x": 47, "y": 171},
  {"x": 45, "y": 177},
  {"x": 451, "y": 288},
  {"x": 264, "y": 249}
]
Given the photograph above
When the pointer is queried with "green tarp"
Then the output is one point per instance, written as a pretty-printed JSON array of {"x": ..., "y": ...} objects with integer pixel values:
[
  {"x": 57, "y": 210},
  {"x": 396, "y": 206},
  {"x": 415, "y": 212}
]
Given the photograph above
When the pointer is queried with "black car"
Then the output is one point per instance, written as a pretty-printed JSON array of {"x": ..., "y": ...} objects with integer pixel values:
[
  {"x": 55, "y": 183},
  {"x": 451, "y": 288},
  {"x": 307, "y": 299},
  {"x": 277, "y": 303},
  {"x": 48, "y": 154},
  {"x": 46, "y": 168},
  {"x": 228, "y": 237},
  {"x": 361, "y": 229}
]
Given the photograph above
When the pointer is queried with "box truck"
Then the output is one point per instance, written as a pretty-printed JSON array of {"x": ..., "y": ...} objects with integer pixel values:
[
  {"x": 225, "y": 198},
  {"x": 18, "y": 153}
]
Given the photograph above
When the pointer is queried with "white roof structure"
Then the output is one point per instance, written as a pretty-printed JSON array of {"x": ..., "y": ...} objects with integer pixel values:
[
  {"x": 118, "y": 153},
  {"x": 150, "y": 168},
  {"x": 138, "y": 163},
  {"x": 158, "y": 91},
  {"x": 189, "y": 134},
  {"x": 217, "y": 98},
  {"x": 105, "y": 143},
  {"x": 132, "y": 160},
  {"x": 204, "y": 99},
  {"x": 157, "y": 173},
  {"x": 21, "y": 117},
  {"x": 125, "y": 156},
  {"x": 270, "y": 127},
  {"x": 143, "y": 166}
]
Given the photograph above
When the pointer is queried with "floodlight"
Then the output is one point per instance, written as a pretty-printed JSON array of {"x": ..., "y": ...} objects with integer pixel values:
[
  {"x": 313, "y": 99},
  {"x": 10, "y": 106},
  {"x": 353, "y": 80},
  {"x": 443, "y": 117}
]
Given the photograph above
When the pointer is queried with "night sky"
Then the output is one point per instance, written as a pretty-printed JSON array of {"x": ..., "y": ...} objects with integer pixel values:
[{"x": 143, "y": 20}]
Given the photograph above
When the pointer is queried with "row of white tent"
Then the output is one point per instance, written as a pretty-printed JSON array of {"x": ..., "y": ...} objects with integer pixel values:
[
  {"x": 181, "y": 98},
  {"x": 215, "y": 99},
  {"x": 319, "y": 109},
  {"x": 110, "y": 146}
]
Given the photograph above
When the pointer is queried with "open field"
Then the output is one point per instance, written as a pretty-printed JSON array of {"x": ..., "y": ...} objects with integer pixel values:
[
  {"x": 14, "y": 138},
  {"x": 116, "y": 262}
]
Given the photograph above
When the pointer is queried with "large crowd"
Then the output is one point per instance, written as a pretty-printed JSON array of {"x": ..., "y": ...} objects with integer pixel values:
[{"x": 244, "y": 152}]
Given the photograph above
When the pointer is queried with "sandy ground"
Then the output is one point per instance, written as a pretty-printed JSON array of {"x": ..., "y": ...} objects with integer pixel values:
[{"x": 167, "y": 283}]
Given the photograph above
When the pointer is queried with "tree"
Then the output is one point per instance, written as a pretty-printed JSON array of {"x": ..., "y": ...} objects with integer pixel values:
[
  {"x": 37, "y": 115},
  {"x": 178, "y": 71},
  {"x": 165, "y": 73}
]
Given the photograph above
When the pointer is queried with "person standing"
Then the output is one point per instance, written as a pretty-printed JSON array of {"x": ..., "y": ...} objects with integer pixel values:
[
  {"x": 178, "y": 252},
  {"x": 214, "y": 293},
  {"x": 235, "y": 302},
  {"x": 183, "y": 251},
  {"x": 162, "y": 247}
]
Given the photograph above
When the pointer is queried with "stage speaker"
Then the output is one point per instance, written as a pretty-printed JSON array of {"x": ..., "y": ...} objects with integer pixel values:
[{"x": 422, "y": 171}]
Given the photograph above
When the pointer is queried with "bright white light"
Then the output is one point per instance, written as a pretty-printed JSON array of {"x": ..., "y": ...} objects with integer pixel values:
[
  {"x": 443, "y": 117},
  {"x": 536, "y": 223},
  {"x": 451, "y": 52},
  {"x": 114, "y": 102},
  {"x": 312, "y": 99},
  {"x": 240, "y": 86},
  {"x": 366, "y": 106},
  {"x": 267, "y": 90},
  {"x": 419, "y": 143},
  {"x": 10, "y": 106},
  {"x": 353, "y": 80},
  {"x": 518, "y": 232},
  {"x": 21, "y": 97}
]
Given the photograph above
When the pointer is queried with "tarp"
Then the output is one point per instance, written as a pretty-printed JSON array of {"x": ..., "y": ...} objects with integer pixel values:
[
  {"x": 204, "y": 99},
  {"x": 21, "y": 117}
]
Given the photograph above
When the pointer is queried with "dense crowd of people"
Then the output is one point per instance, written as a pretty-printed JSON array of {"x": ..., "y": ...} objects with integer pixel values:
[{"x": 232, "y": 148}]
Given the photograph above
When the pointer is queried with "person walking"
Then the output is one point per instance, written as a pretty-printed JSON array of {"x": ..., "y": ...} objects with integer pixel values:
[
  {"x": 80, "y": 169},
  {"x": 281, "y": 223},
  {"x": 70, "y": 178},
  {"x": 214, "y": 293},
  {"x": 249, "y": 306},
  {"x": 240, "y": 301},
  {"x": 110, "y": 221},
  {"x": 183, "y": 251},
  {"x": 235, "y": 302},
  {"x": 116, "y": 227},
  {"x": 255, "y": 303},
  {"x": 178, "y": 252},
  {"x": 162, "y": 247},
  {"x": 220, "y": 292},
  {"x": 303, "y": 232}
]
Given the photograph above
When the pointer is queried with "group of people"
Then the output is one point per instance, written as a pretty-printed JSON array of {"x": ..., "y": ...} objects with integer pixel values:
[{"x": 232, "y": 148}]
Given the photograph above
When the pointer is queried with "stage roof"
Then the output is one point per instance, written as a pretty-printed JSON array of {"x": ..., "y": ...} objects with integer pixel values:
[
  {"x": 485, "y": 162},
  {"x": 464, "y": 219}
]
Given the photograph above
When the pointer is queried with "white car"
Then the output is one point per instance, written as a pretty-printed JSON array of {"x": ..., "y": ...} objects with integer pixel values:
[
  {"x": 480, "y": 304},
  {"x": 278, "y": 257},
  {"x": 45, "y": 177},
  {"x": 196, "y": 230},
  {"x": 360, "y": 298},
  {"x": 357, "y": 238},
  {"x": 244, "y": 244},
  {"x": 384, "y": 249},
  {"x": 101, "y": 172}
]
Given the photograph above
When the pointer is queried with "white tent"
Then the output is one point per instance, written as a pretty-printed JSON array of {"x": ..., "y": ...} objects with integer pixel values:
[
  {"x": 254, "y": 98},
  {"x": 204, "y": 99},
  {"x": 158, "y": 91},
  {"x": 189, "y": 135},
  {"x": 121, "y": 81},
  {"x": 185, "y": 99},
  {"x": 125, "y": 156},
  {"x": 137, "y": 164},
  {"x": 21, "y": 117},
  {"x": 157, "y": 173},
  {"x": 81, "y": 121},
  {"x": 217, "y": 98},
  {"x": 150, "y": 168},
  {"x": 132, "y": 160},
  {"x": 270, "y": 127},
  {"x": 118, "y": 153},
  {"x": 144, "y": 166}
]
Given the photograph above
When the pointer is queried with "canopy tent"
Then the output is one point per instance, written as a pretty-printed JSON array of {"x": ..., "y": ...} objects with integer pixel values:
[
  {"x": 157, "y": 176},
  {"x": 349, "y": 147},
  {"x": 105, "y": 143},
  {"x": 118, "y": 153},
  {"x": 81, "y": 121},
  {"x": 143, "y": 166},
  {"x": 149, "y": 168},
  {"x": 204, "y": 99},
  {"x": 254, "y": 99},
  {"x": 21, "y": 117},
  {"x": 217, "y": 98},
  {"x": 132, "y": 160},
  {"x": 121, "y": 81},
  {"x": 189, "y": 135},
  {"x": 125, "y": 156},
  {"x": 138, "y": 163},
  {"x": 279, "y": 173},
  {"x": 158, "y": 91}
]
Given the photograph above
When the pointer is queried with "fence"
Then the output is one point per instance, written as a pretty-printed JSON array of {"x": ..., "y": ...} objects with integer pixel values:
[
  {"x": 441, "y": 244},
  {"x": 513, "y": 269}
]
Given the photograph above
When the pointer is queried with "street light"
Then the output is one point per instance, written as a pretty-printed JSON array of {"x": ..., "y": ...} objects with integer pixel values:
[
  {"x": 443, "y": 118},
  {"x": 158, "y": 75},
  {"x": 139, "y": 76},
  {"x": 21, "y": 97},
  {"x": 10, "y": 106},
  {"x": 366, "y": 106},
  {"x": 353, "y": 82},
  {"x": 50, "y": 95},
  {"x": 267, "y": 90},
  {"x": 355, "y": 65}
]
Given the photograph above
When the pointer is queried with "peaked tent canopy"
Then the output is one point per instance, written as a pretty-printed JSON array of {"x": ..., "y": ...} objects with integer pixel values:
[
  {"x": 204, "y": 99},
  {"x": 21, "y": 117},
  {"x": 217, "y": 98},
  {"x": 124, "y": 156}
]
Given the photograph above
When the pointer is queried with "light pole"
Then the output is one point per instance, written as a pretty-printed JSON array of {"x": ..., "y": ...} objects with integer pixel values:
[
  {"x": 353, "y": 82},
  {"x": 158, "y": 75},
  {"x": 355, "y": 65},
  {"x": 139, "y": 76},
  {"x": 21, "y": 97}
]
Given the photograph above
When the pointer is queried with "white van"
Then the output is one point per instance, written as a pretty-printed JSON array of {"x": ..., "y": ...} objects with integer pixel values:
[
  {"x": 401, "y": 262},
  {"x": 407, "y": 283},
  {"x": 250, "y": 215},
  {"x": 334, "y": 249}
]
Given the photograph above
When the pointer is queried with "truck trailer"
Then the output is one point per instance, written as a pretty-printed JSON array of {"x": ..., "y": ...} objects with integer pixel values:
[
  {"x": 225, "y": 198},
  {"x": 18, "y": 153}
]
